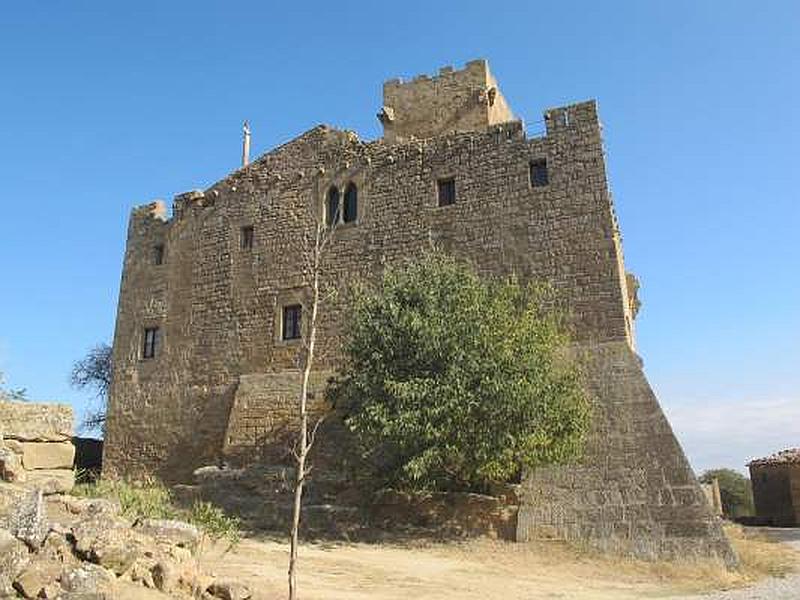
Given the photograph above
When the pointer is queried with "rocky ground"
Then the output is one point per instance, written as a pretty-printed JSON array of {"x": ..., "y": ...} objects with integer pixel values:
[{"x": 82, "y": 549}]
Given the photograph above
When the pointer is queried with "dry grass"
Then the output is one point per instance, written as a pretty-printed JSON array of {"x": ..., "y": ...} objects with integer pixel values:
[{"x": 760, "y": 556}]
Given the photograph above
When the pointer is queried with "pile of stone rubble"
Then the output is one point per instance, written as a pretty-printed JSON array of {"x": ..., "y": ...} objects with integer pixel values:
[{"x": 100, "y": 554}]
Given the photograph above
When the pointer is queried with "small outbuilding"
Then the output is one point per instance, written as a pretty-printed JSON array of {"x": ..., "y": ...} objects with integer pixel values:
[{"x": 776, "y": 488}]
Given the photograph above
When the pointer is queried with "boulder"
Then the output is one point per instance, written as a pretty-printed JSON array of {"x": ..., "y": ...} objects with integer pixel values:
[
  {"x": 58, "y": 548},
  {"x": 48, "y": 455},
  {"x": 87, "y": 579},
  {"x": 229, "y": 590},
  {"x": 14, "y": 558},
  {"x": 10, "y": 466},
  {"x": 141, "y": 571},
  {"x": 166, "y": 576},
  {"x": 37, "y": 579},
  {"x": 110, "y": 542},
  {"x": 174, "y": 532},
  {"x": 51, "y": 481},
  {"x": 28, "y": 521},
  {"x": 28, "y": 421},
  {"x": 91, "y": 506}
]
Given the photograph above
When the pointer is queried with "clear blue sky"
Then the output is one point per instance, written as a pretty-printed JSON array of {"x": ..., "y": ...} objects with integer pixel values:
[{"x": 106, "y": 105}]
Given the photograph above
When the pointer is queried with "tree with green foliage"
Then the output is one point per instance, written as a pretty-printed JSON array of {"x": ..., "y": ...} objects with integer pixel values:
[
  {"x": 453, "y": 383},
  {"x": 735, "y": 491}
]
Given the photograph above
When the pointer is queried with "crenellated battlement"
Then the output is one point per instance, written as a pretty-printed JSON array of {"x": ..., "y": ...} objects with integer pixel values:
[{"x": 468, "y": 99}]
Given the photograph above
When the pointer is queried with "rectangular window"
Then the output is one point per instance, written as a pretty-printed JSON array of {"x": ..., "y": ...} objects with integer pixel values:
[
  {"x": 291, "y": 322},
  {"x": 539, "y": 177},
  {"x": 158, "y": 254},
  {"x": 247, "y": 237},
  {"x": 150, "y": 345},
  {"x": 447, "y": 192}
]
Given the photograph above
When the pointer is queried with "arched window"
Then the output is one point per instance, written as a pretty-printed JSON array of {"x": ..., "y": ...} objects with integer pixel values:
[
  {"x": 332, "y": 208},
  {"x": 350, "y": 203}
]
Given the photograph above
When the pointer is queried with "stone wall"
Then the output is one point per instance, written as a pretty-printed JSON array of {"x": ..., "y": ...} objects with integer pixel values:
[
  {"x": 634, "y": 491},
  {"x": 776, "y": 493},
  {"x": 36, "y": 448},
  {"x": 711, "y": 490},
  {"x": 264, "y": 418}
]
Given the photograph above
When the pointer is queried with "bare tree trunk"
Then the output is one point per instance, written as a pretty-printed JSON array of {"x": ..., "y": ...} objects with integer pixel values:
[{"x": 304, "y": 444}]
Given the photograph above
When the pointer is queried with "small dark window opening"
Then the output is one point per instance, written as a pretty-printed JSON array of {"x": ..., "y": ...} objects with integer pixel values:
[
  {"x": 247, "y": 237},
  {"x": 539, "y": 177},
  {"x": 332, "y": 207},
  {"x": 150, "y": 342},
  {"x": 292, "y": 316},
  {"x": 158, "y": 254},
  {"x": 447, "y": 192},
  {"x": 350, "y": 203}
]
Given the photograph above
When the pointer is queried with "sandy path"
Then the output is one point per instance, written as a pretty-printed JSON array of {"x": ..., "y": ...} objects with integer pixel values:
[{"x": 479, "y": 570}]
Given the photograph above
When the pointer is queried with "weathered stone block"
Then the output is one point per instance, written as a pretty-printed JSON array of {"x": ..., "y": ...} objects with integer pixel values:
[
  {"x": 51, "y": 481},
  {"x": 13, "y": 558},
  {"x": 10, "y": 466},
  {"x": 28, "y": 421},
  {"x": 48, "y": 455}
]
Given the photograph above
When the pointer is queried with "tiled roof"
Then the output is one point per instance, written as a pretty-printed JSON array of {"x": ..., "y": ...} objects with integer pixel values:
[{"x": 792, "y": 455}]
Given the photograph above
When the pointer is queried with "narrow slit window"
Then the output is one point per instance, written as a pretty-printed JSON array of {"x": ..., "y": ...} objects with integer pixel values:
[
  {"x": 292, "y": 316},
  {"x": 539, "y": 176},
  {"x": 332, "y": 208},
  {"x": 158, "y": 254},
  {"x": 150, "y": 345},
  {"x": 350, "y": 203},
  {"x": 447, "y": 192},
  {"x": 247, "y": 237}
]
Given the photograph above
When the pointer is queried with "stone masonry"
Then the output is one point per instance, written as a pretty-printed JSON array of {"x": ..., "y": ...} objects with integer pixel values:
[
  {"x": 206, "y": 289},
  {"x": 776, "y": 487},
  {"x": 36, "y": 450}
]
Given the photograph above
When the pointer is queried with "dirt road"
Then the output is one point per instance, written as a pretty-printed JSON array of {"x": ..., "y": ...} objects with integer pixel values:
[{"x": 475, "y": 570}]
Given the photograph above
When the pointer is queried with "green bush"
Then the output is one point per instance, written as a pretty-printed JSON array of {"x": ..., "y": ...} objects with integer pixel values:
[
  {"x": 213, "y": 520},
  {"x": 148, "y": 500},
  {"x": 452, "y": 382}
]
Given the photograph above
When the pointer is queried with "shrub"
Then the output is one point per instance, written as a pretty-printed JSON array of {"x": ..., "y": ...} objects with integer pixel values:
[
  {"x": 455, "y": 382},
  {"x": 153, "y": 500},
  {"x": 148, "y": 500},
  {"x": 213, "y": 520}
]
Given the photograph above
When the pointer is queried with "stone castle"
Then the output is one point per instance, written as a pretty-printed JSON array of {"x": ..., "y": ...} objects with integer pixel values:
[{"x": 210, "y": 315}]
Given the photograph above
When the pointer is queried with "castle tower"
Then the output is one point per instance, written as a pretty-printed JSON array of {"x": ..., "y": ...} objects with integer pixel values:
[{"x": 465, "y": 100}]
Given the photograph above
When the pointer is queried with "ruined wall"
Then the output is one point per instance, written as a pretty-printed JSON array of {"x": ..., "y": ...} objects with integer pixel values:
[{"x": 36, "y": 450}]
